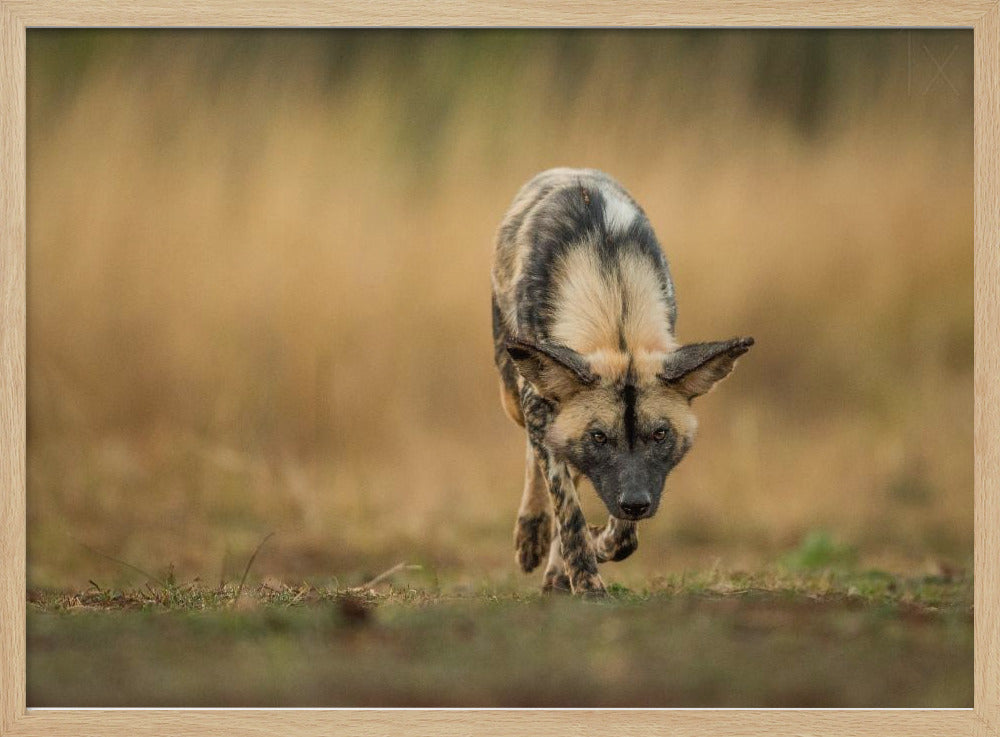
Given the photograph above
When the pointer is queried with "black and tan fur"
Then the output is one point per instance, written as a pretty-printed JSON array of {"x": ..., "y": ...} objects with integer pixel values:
[{"x": 583, "y": 324}]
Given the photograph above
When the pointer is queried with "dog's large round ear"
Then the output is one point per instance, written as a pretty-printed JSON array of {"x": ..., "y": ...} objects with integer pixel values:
[
  {"x": 694, "y": 369},
  {"x": 556, "y": 372}
]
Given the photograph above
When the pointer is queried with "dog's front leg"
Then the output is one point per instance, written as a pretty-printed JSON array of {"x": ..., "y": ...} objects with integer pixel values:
[
  {"x": 575, "y": 547},
  {"x": 574, "y": 538}
]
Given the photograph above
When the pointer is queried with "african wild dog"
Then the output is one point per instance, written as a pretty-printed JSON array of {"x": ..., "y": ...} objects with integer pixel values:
[{"x": 583, "y": 326}]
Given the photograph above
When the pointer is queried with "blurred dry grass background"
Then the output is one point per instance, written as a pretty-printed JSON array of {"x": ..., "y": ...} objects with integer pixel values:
[{"x": 258, "y": 284}]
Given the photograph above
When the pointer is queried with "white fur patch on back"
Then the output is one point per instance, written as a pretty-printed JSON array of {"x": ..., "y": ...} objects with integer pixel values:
[
  {"x": 590, "y": 317},
  {"x": 588, "y": 303},
  {"x": 645, "y": 326},
  {"x": 618, "y": 211}
]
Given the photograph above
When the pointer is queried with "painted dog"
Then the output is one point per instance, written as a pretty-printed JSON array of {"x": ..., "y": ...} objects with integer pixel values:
[{"x": 583, "y": 326}]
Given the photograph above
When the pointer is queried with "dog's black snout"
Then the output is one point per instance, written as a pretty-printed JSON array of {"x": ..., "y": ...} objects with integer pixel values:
[{"x": 634, "y": 508}]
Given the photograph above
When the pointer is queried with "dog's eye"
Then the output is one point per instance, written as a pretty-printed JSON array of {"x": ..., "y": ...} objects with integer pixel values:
[
  {"x": 598, "y": 437},
  {"x": 660, "y": 434}
]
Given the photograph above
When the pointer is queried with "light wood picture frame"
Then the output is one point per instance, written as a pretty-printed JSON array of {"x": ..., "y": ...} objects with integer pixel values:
[{"x": 17, "y": 16}]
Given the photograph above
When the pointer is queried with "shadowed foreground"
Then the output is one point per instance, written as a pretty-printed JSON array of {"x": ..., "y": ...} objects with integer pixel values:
[{"x": 866, "y": 641}]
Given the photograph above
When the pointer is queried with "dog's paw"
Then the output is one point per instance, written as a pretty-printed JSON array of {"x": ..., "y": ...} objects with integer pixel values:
[
  {"x": 556, "y": 582},
  {"x": 625, "y": 545},
  {"x": 588, "y": 585},
  {"x": 615, "y": 544},
  {"x": 532, "y": 537}
]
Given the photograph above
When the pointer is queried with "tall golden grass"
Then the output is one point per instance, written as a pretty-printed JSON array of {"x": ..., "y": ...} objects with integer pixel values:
[{"x": 259, "y": 295}]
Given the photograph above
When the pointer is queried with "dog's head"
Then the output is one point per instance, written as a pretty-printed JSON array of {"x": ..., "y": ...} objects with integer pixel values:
[{"x": 624, "y": 429}]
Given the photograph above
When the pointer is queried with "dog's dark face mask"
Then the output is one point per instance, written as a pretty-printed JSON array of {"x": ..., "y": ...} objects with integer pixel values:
[{"x": 624, "y": 433}]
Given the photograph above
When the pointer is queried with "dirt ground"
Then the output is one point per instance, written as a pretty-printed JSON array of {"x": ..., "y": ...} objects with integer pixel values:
[{"x": 862, "y": 640}]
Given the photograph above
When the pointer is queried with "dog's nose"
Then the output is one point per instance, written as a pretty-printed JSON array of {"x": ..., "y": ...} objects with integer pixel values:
[{"x": 635, "y": 508}]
